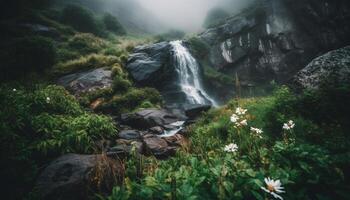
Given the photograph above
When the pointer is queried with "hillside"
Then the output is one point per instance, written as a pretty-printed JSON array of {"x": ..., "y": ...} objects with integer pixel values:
[{"x": 100, "y": 101}]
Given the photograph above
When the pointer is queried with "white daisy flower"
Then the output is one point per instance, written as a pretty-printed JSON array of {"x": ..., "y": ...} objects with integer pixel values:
[
  {"x": 288, "y": 126},
  {"x": 240, "y": 111},
  {"x": 256, "y": 132},
  {"x": 234, "y": 118},
  {"x": 273, "y": 187},
  {"x": 231, "y": 148},
  {"x": 14, "y": 89},
  {"x": 48, "y": 99}
]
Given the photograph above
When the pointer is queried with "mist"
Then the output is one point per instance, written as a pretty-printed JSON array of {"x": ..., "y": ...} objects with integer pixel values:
[{"x": 188, "y": 15}]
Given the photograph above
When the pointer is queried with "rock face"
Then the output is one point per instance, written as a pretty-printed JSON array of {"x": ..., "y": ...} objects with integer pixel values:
[
  {"x": 87, "y": 81},
  {"x": 68, "y": 177},
  {"x": 331, "y": 68},
  {"x": 274, "y": 39},
  {"x": 150, "y": 64}
]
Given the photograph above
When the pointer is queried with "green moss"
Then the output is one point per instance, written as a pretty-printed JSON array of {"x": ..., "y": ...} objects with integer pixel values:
[
  {"x": 85, "y": 63},
  {"x": 131, "y": 100},
  {"x": 86, "y": 43},
  {"x": 112, "y": 24}
]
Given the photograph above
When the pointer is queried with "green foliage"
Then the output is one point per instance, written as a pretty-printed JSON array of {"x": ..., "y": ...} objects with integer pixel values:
[
  {"x": 38, "y": 124},
  {"x": 131, "y": 100},
  {"x": 198, "y": 47},
  {"x": 65, "y": 134},
  {"x": 84, "y": 63},
  {"x": 29, "y": 54},
  {"x": 306, "y": 164},
  {"x": 86, "y": 43},
  {"x": 170, "y": 35},
  {"x": 112, "y": 24},
  {"x": 80, "y": 19},
  {"x": 121, "y": 85}
]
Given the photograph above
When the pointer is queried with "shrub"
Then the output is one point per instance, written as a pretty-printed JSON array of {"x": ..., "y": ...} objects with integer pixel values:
[
  {"x": 121, "y": 85},
  {"x": 54, "y": 100},
  {"x": 29, "y": 54},
  {"x": 112, "y": 24},
  {"x": 36, "y": 129},
  {"x": 198, "y": 47},
  {"x": 66, "y": 134},
  {"x": 84, "y": 63},
  {"x": 80, "y": 19},
  {"x": 86, "y": 43},
  {"x": 131, "y": 100}
]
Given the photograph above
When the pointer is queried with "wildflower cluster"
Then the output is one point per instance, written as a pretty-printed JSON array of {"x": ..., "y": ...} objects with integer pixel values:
[
  {"x": 231, "y": 148},
  {"x": 256, "y": 132},
  {"x": 238, "y": 117}
]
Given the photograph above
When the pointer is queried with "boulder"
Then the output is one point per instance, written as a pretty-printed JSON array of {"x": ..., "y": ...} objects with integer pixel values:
[
  {"x": 148, "y": 64},
  {"x": 176, "y": 140},
  {"x": 87, "y": 81},
  {"x": 157, "y": 130},
  {"x": 71, "y": 176},
  {"x": 193, "y": 111},
  {"x": 148, "y": 118},
  {"x": 158, "y": 147},
  {"x": 332, "y": 68},
  {"x": 129, "y": 134}
]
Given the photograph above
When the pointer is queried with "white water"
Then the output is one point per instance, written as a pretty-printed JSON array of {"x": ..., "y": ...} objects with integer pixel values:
[
  {"x": 179, "y": 126},
  {"x": 188, "y": 71}
]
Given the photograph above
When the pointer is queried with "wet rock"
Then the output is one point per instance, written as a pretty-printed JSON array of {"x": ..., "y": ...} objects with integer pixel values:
[
  {"x": 158, "y": 130},
  {"x": 87, "y": 81},
  {"x": 176, "y": 140},
  {"x": 129, "y": 134},
  {"x": 148, "y": 118},
  {"x": 332, "y": 68},
  {"x": 158, "y": 147},
  {"x": 148, "y": 64},
  {"x": 70, "y": 177}
]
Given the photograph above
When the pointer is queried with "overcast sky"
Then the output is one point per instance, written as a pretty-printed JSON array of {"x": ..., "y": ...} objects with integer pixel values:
[{"x": 187, "y": 15}]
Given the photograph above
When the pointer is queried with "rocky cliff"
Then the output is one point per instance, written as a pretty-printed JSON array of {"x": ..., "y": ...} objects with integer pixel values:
[{"x": 274, "y": 39}]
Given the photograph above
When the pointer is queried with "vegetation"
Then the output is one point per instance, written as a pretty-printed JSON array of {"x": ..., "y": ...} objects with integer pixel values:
[
  {"x": 170, "y": 35},
  {"x": 28, "y": 54},
  {"x": 300, "y": 139},
  {"x": 112, "y": 24},
  {"x": 40, "y": 124},
  {"x": 230, "y": 157},
  {"x": 80, "y": 19}
]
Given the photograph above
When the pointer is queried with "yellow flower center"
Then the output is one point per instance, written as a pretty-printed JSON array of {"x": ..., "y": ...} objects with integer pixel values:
[{"x": 271, "y": 188}]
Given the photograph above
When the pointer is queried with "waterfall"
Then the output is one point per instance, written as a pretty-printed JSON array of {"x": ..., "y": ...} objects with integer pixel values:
[{"x": 189, "y": 75}]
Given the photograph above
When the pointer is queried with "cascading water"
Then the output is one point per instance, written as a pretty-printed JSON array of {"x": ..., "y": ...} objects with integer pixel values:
[{"x": 189, "y": 75}]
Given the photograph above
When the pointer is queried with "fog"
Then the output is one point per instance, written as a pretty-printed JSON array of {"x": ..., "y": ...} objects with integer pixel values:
[{"x": 188, "y": 15}]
